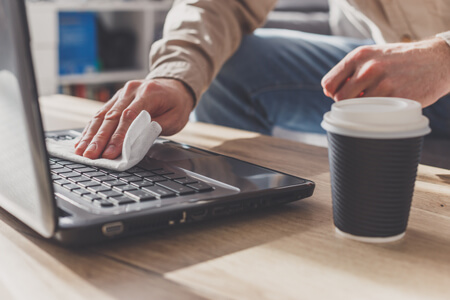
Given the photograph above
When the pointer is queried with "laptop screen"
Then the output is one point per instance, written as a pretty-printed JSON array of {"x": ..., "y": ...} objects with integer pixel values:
[{"x": 25, "y": 189}]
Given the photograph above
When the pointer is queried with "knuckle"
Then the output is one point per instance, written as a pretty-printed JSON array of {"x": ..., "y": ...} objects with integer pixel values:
[
  {"x": 99, "y": 115},
  {"x": 131, "y": 86},
  {"x": 101, "y": 136},
  {"x": 86, "y": 140},
  {"x": 362, "y": 52},
  {"x": 117, "y": 137},
  {"x": 129, "y": 115},
  {"x": 371, "y": 69},
  {"x": 113, "y": 115},
  {"x": 151, "y": 86}
]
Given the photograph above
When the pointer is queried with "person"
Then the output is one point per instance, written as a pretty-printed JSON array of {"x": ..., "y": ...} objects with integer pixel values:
[{"x": 213, "y": 57}]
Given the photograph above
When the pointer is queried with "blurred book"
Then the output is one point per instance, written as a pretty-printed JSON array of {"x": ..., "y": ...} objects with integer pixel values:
[
  {"x": 101, "y": 92},
  {"x": 77, "y": 43}
]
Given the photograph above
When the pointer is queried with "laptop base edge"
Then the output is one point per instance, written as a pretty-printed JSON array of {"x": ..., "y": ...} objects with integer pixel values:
[{"x": 128, "y": 227}]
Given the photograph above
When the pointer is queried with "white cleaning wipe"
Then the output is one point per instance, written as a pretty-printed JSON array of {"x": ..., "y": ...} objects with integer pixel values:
[{"x": 138, "y": 140}]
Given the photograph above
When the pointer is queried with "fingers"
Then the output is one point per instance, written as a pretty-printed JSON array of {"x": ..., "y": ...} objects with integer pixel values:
[
  {"x": 168, "y": 102},
  {"x": 382, "y": 89},
  {"x": 350, "y": 76},
  {"x": 115, "y": 143},
  {"x": 105, "y": 122},
  {"x": 93, "y": 126},
  {"x": 337, "y": 76},
  {"x": 365, "y": 77},
  {"x": 83, "y": 133},
  {"x": 90, "y": 131}
]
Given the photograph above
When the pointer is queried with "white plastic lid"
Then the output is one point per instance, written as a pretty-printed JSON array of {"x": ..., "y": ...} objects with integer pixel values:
[{"x": 377, "y": 118}]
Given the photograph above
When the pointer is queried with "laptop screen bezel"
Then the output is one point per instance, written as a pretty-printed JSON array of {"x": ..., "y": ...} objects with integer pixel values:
[{"x": 46, "y": 223}]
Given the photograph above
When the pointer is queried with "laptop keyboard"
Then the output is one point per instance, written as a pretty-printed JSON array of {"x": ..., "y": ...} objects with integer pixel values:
[{"x": 106, "y": 188}]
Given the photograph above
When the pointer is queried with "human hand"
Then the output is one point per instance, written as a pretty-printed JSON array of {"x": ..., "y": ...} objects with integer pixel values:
[
  {"x": 419, "y": 71},
  {"x": 167, "y": 100}
]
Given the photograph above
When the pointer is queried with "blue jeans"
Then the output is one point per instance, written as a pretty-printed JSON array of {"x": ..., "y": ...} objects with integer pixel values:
[{"x": 273, "y": 80}]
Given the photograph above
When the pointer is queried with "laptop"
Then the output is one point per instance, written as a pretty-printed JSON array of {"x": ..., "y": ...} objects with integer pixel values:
[{"x": 175, "y": 184}]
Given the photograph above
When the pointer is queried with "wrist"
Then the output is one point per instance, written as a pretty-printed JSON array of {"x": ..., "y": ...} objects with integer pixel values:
[
  {"x": 442, "y": 46},
  {"x": 188, "y": 93}
]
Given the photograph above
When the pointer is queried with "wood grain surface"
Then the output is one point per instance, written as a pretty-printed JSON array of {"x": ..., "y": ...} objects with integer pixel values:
[{"x": 288, "y": 252}]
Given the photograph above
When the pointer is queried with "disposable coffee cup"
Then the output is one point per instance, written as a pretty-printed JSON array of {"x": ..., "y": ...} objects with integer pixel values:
[{"x": 374, "y": 151}]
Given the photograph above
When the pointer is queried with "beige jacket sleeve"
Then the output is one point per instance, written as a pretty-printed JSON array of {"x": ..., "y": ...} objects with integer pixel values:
[{"x": 200, "y": 35}]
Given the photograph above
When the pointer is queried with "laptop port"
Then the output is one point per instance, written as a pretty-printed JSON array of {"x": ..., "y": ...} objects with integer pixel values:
[
  {"x": 198, "y": 214},
  {"x": 112, "y": 229}
]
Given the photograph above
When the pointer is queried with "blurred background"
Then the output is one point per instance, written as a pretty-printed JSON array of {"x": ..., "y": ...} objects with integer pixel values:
[{"x": 90, "y": 48}]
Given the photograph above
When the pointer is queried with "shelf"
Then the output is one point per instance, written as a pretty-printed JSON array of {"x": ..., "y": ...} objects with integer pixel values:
[
  {"x": 106, "y": 5},
  {"x": 102, "y": 77}
]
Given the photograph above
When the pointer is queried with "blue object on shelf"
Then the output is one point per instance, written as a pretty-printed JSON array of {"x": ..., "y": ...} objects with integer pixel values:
[{"x": 77, "y": 43}]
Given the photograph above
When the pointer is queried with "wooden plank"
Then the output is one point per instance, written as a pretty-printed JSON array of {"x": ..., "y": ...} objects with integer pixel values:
[
  {"x": 34, "y": 268},
  {"x": 289, "y": 252},
  {"x": 315, "y": 263}
]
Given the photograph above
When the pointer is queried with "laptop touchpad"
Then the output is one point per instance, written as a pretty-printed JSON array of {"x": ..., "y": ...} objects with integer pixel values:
[{"x": 170, "y": 151}]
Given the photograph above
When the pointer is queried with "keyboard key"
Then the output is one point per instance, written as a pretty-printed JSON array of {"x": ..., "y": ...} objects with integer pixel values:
[
  {"x": 104, "y": 178},
  {"x": 103, "y": 203},
  {"x": 176, "y": 187},
  {"x": 159, "y": 191},
  {"x": 91, "y": 197},
  {"x": 55, "y": 166},
  {"x": 186, "y": 180},
  {"x": 87, "y": 169},
  {"x": 90, "y": 183},
  {"x": 120, "y": 174},
  {"x": 81, "y": 192},
  {"x": 135, "y": 169},
  {"x": 109, "y": 193},
  {"x": 114, "y": 183},
  {"x": 61, "y": 181},
  {"x": 75, "y": 166},
  {"x": 201, "y": 187},
  {"x": 70, "y": 174},
  {"x": 55, "y": 177},
  {"x": 71, "y": 186},
  {"x": 142, "y": 183},
  {"x": 93, "y": 174},
  {"x": 162, "y": 172},
  {"x": 145, "y": 174},
  {"x": 122, "y": 200},
  {"x": 65, "y": 162},
  {"x": 99, "y": 188},
  {"x": 125, "y": 188},
  {"x": 140, "y": 195},
  {"x": 174, "y": 176},
  {"x": 79, "y": 179},
  {"x": 63, "y": 170},
  {"x": 156, "y": 179},
  {"x": 131, "y": 179}
]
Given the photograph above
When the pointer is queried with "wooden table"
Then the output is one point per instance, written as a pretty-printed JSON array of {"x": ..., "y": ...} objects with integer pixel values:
[{"x": 290, "y": 252}]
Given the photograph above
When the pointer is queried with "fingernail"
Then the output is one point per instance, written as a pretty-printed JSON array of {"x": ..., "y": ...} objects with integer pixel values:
[
  {"x": 110, "y": 149},
  {"x": 82, "y": 144},
  {"x": 92, "y": 147}
]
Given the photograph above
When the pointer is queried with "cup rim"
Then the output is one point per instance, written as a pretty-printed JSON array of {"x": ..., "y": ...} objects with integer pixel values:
[{"x": 411, "y": 123}]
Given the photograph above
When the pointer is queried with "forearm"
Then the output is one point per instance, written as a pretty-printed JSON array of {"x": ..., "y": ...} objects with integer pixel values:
[
  {"x": 200, "y": 35},
  {"x": 445, "y": 54}
]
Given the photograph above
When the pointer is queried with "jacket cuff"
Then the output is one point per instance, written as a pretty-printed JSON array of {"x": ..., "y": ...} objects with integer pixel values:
[
  {"x": 445, "y": 36},
  {"x": 185, "y": 72}
]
